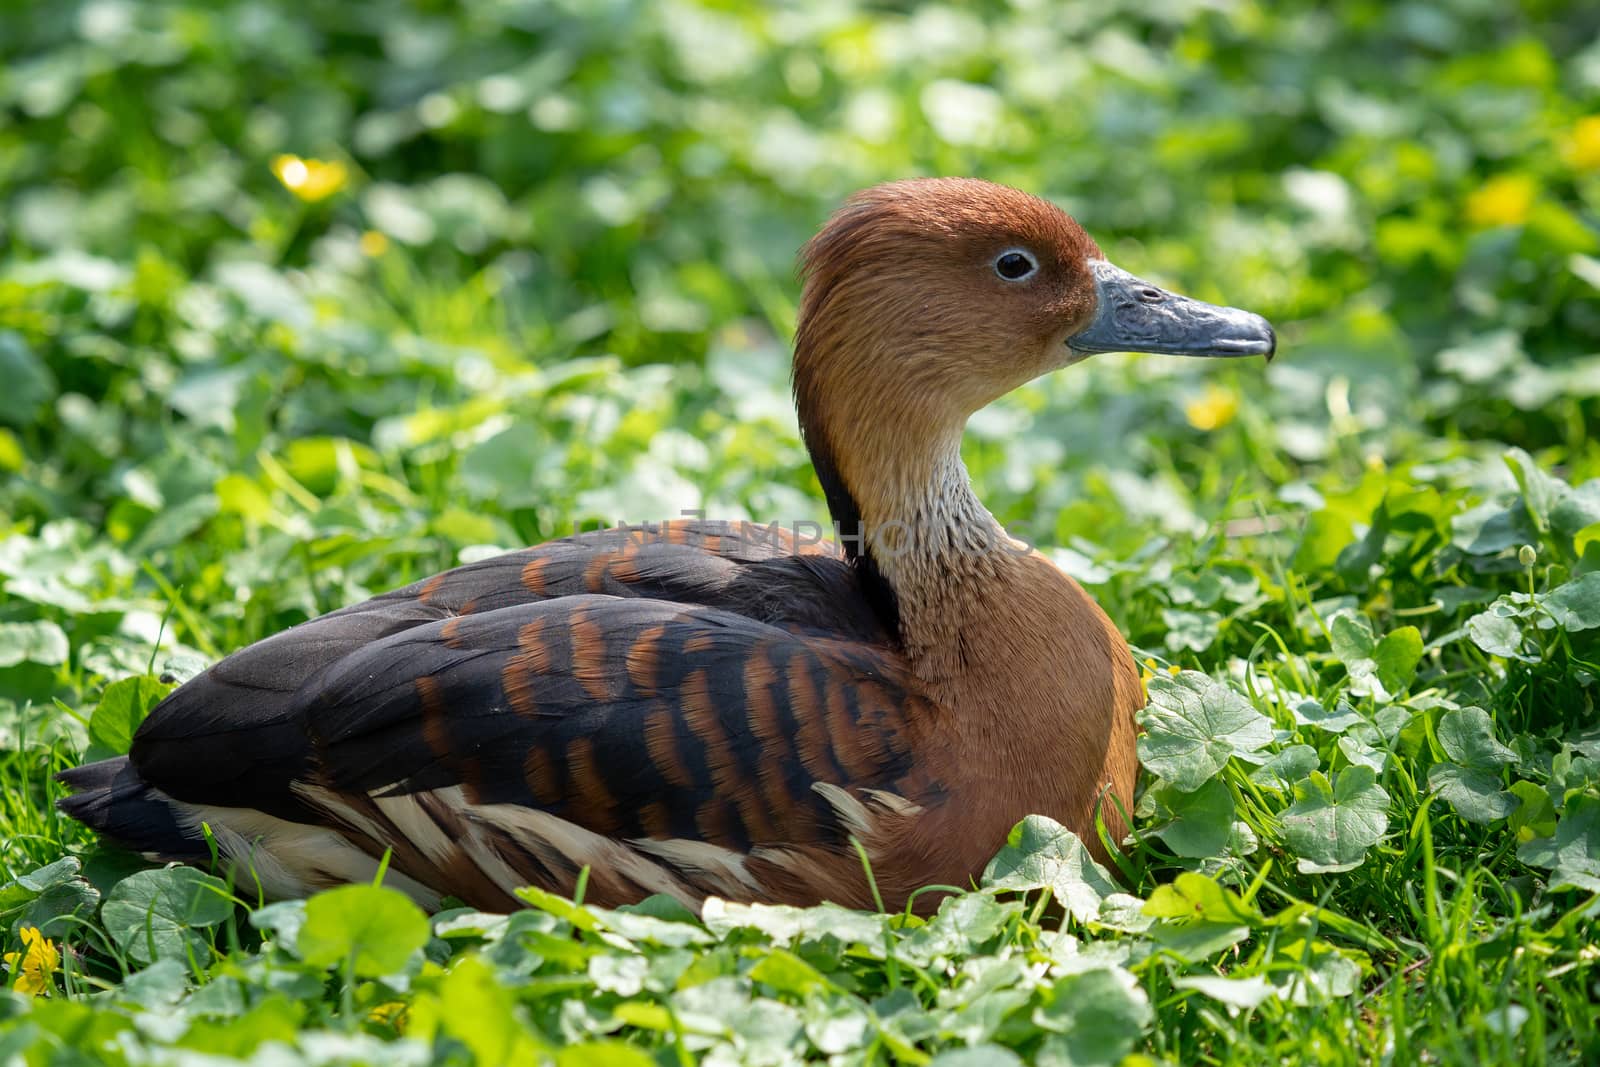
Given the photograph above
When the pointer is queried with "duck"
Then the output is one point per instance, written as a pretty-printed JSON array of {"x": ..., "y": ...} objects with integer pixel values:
[{"x": 718, "y": 709}]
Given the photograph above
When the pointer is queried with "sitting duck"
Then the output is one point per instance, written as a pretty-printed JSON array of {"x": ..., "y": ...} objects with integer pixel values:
[{"x": 718, "y": 709}]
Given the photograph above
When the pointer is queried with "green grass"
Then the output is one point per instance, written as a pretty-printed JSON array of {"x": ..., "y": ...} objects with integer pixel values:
[{"x": 555, "y": 287}]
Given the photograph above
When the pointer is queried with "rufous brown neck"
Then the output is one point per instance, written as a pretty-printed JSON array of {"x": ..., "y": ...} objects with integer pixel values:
[{"x": 889, "y": 458}]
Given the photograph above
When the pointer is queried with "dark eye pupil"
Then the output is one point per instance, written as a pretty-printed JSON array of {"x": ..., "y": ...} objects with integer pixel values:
[{"x": 1013, "y": 265}]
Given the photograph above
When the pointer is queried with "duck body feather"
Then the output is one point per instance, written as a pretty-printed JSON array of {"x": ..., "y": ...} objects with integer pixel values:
[
  {"x": 693, "y": 711},
  {"x": 689, "y": 711}
]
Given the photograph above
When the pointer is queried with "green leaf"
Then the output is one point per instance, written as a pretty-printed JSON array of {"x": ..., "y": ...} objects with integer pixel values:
[
  {"x": 1475, "y": 794},
  {"x": 123, "y": 706},
  {"x": 1356, "y": 747},
  {"x": 1576, "y": 605},
  {"x": 30, "y": 386},
  {"x": 1573, "y": 852},
  {"x": 1577, "y": 508},
  {"x": 374, "y": 927},
  {"x": 1193, "y": 725},
  {"x": 1397, "y": 657},
  {"x": 1197, "y": 941},
  {"x": 1535, "y": 815},
  {"x": 1194, "y": 631},
  {"x": 1040, "y": 853},
  {"x": 619, "y": 973},
  {"x": 158, "y": 987},
  {"x": 1539, "y": 490},
  {"x": 962, "y": 927},
  {"x": 1326, "y": 535},
  {"x": 1358, "y": 558},
  {"x": 783, "y": 924},
  {"x": 1310, "y": 971},
  {"x": 1198, "y": 897},
  {"x": 50, "y": 876},
  {"x": 1235, "y": 993},
  {"x": 1285, "y": 768},
  {"x": 560, "y": 907},
  {"x": 1490, "y": 529},
  {"x": 52, "y": 898},
  {"x": 977, "y": 1056},
  {"x": 1094, "y": 1018},
  {"x": 1380, "y": 667},
  {"x": 39, "y": 642},
  {"x": 1467, "y": 736},
  {"x": 1201, "y": 821},
  {"x": 159, "y": 914},
  {"x": 282, "y": 919},
  {"x": 1311, "y": 713},
  {"x": 275, "y": 1018},
  {"x": 788, "y": 973},
  {"x": 1499, "y": 634},
  {"x": 1199, "y": 917},
  {"x": 1330, "y": 826},
  {"x": 837, "y": 1024},
  {"x": 603, "y": 1054},
  {"x": 476, "y": 1008}
]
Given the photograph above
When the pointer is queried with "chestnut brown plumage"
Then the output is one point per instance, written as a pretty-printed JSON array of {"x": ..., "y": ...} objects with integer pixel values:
[{"x": 714, "y": 709}]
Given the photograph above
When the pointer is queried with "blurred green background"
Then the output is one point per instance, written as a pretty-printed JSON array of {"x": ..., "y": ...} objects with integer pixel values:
[{"x": 300, "y": 301}]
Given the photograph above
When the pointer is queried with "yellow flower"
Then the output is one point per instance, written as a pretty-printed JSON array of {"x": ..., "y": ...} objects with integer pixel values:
[
  {"x": 374, "y": 243},
  {"x": 1174, "y": 670},
  {"x": 32, "y": 968},
  {"x": 1502, "y": 201},
  {"x": 1583, "y": 145},
  {"x": 1212, "y": 409},
  {"x": 1147, "y": 671},
  {"x": 310, "y": 179},
  {"x": 392, "y": 1013}
]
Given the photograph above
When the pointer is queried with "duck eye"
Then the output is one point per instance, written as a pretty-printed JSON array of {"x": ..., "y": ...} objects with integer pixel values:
[{"x": 1014, "y": 266}]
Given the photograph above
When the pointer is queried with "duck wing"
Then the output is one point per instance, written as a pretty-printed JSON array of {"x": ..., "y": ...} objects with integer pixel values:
[{"x": 684, "y": 714}]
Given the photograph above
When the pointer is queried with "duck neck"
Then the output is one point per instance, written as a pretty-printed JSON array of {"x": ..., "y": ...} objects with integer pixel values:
[{"x": 930, "y": 554}]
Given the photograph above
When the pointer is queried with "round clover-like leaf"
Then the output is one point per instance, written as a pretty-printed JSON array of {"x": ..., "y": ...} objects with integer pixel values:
[
  {"x": 1576, "y": 605},
  {"x": 1096, "y": 1016},
  {"x": 1332, "y": 824},
  {"x": 1467, "y": 735},
  {"x": 123, "y": 706},
  {"x": 1474, "y": 794},
  {"x": 1193, "y": 725},
  {"x": 1040, "y": 853},
  {"x": 376, "y": 928},
  {"x": 39, "y": 642},
  {"x": 1498, "y": 634},
  {"x": 1201, "y": 821},
  {"x": 1573, "y": 852},
  {"x": 154, "y": 915},
  {"x": 1380, "y": 667}
]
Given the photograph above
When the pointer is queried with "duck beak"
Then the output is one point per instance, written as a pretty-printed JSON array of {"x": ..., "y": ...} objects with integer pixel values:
[{"x": 1132, "y": 315}]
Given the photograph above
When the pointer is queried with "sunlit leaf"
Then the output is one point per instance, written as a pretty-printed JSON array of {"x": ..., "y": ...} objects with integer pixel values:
[
  {"x": 123, "y": 706},
  {"x": 39, "y": 642},
  {"x": 1193, "y": 725},
  {"x": 1332, "y": 824},
  {"x": 373, "y": 929},
  {"x": 1042, "y": 854}
]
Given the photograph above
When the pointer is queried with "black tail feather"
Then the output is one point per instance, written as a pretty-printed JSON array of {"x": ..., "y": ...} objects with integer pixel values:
[{"x": 110, "y": 798}]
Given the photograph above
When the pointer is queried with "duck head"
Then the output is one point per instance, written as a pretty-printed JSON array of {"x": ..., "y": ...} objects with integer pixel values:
[
  {"x": 963, "y": 290},
  {"x": 925, "y": 300}
]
